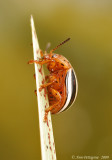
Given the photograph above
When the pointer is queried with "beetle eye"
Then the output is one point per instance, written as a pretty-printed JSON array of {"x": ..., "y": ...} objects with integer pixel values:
[{"x": 54, "y": 56}]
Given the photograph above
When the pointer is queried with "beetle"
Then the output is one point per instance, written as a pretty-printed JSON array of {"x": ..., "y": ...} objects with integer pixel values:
[{"x": 62, "y": 85}]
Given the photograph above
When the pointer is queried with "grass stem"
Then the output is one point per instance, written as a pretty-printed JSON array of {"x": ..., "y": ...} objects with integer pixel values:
[{"x": 46, "y": 131}]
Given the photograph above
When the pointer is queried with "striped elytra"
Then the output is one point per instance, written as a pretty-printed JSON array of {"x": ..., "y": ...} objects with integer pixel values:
[{"x": 71, "y": 89}]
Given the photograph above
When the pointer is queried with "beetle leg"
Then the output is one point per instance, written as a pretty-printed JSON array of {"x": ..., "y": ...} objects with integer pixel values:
[
  {"x": 41, "y": 53},
  {"x": 39, "y": 62},
  {"x": 50, "y": 108},
  {"x": 57, "y": 95},
  {"x": 45, "y": 85},
  {"x": 46, "y": 77},
  {"x": 34, "y": 76}
]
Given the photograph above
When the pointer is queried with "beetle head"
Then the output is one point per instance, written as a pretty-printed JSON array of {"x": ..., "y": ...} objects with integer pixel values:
[{"x": 47, "y": 56}]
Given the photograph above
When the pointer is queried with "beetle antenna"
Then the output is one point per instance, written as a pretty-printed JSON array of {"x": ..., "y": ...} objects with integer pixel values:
[
  {"x": 48, "y": 46},
  {"x": 60, "y": 45}
]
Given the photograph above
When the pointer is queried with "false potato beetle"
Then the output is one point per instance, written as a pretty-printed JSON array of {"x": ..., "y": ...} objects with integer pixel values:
[{"x": 62, "y": 85}]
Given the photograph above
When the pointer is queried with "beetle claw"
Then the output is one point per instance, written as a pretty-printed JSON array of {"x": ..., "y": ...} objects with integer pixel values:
[
  {"x": 31, "y": 62},
  {"x": 45, "y": 117},
  {"x": 40, "y": 89},
  {"x": 35, "y": 92}
]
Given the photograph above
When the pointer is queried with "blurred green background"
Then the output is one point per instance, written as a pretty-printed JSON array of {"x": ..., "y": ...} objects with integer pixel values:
[{"x": 84, "y": 129}]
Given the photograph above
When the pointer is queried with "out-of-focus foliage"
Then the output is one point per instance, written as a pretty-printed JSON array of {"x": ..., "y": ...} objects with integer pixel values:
[{"x": 85, "y": 129}]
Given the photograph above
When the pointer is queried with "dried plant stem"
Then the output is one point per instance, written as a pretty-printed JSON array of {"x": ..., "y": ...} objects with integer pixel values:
[{"x": 46, "y": 132}]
